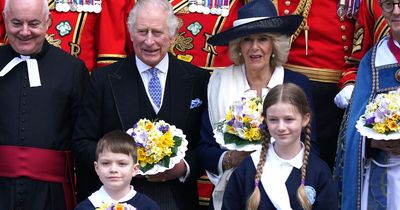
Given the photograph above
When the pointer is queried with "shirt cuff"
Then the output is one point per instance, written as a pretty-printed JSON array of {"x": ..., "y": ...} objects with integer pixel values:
[{"x": 183, "y": 178}]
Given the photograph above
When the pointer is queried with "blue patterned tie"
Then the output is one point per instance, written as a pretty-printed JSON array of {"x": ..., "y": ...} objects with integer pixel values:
[{"x": 155, "y": 87}]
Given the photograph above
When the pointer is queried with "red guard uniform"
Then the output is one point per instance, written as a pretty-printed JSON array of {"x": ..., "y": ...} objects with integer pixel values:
[
  {"x": 371, "y": 26},
  {"x": 86, "y": 35},
  {"x": 329, "y": 41},
  {"x": 320, "y": 50}
]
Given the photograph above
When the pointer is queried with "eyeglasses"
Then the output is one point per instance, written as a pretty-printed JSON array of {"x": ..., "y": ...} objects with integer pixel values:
[{"x": 388, "y": 6}]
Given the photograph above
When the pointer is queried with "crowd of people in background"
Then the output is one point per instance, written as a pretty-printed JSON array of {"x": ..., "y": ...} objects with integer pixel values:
[{"x": 76, "y": 75}]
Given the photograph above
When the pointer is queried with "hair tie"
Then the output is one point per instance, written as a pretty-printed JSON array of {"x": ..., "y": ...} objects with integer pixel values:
[
  {"x": 303, "y": 181},
  {"x": 256, "y": 182}
]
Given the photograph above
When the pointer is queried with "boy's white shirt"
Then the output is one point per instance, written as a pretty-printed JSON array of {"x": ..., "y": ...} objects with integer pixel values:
[{"x": 101, "y": 197}]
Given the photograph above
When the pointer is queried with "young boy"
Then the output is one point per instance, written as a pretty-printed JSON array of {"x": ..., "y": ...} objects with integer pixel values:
[{"x": 116, "y": 164}]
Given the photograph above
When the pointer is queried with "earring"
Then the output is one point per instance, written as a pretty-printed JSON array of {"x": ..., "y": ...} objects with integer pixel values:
[
  {"x": 239, "y": 53},
  {"x": 273, "y": 55}
]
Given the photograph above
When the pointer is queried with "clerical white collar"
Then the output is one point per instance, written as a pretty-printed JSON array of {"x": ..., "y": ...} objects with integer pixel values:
[{"x": 32, "y": 66}]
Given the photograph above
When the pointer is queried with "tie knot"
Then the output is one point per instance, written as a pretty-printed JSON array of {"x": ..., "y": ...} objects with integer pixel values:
[{"x": 153, "y": 72}]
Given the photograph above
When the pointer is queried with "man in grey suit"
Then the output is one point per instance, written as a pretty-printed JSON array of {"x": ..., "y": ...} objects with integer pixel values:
[{"x": 122, "y": 93}]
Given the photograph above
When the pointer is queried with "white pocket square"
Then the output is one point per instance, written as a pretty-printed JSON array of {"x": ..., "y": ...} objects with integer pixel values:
[{"x": 195, "y": 103}]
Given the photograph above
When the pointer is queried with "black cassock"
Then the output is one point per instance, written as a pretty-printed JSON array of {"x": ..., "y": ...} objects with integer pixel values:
[{"x": 38, "y": 117}]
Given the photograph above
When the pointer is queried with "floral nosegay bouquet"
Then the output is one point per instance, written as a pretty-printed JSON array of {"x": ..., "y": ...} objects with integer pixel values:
[
  {"x": 117, "y": 206},
  {"x": 241, "y": 128},
  {"x": 160, "y": 145},
  {"x": 381, "y": 120}
]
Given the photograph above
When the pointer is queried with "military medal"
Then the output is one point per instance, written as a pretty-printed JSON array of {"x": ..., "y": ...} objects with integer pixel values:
[
  {"x": 200, "y": 6},
  {"x": 97, "y": 6},
  {"x": 85, "y": 5},
  {"x": 218, "y": 11},
  {"x": 206, "y": 9},
  {"x": 192, "y": 5},
  {"x": 348, "y": 8},
  {"x": 73, "y": 5},
  {"x": 213, "y": 6},
  {"x": 225, "y": 8},
  {"x": 62, "y": 5}
]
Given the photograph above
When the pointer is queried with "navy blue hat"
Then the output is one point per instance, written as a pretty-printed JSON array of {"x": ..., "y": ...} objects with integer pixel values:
[{"x": 257, "y": 16}]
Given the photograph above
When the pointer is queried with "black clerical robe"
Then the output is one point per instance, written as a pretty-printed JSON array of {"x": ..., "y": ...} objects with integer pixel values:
[{"x": 38, "y": 117}]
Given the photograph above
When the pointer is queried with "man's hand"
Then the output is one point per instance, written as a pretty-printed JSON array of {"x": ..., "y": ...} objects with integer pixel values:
[
  {"x": 392, "y": 146},
  {"x": 343, "y": 97},
  {"x": 179, "y": 170}
]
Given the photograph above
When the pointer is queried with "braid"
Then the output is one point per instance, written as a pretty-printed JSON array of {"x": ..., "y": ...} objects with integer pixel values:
[
  {"x": 301, "y": 193},
  {"x": 304, "y": 9},
  {"x": 254, "y": 200}
]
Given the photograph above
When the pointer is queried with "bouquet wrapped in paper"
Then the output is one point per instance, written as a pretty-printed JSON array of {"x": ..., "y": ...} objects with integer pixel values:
[
  {"x": 242, "y": 127},
  {"x": 117, "y": 206},
  {"x": 160, "y": 145},
  {"x": 381, "y": 120}
]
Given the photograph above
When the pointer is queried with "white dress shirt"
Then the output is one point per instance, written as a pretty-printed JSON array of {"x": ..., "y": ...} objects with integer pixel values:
[{"x": 146, "y": 76}]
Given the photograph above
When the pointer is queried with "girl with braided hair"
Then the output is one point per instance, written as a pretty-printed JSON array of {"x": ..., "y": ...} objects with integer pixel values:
[{"x": 284, "y": 174}]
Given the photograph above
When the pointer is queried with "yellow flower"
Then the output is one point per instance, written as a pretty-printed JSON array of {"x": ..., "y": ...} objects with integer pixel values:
[
  {"x": 248, "y": 134},
  {"x": 379, "y": 127},
  {"x": 149, "y": 126},
  {"x": 391, "y": 125},
  {"x": 167, "y": 140},
  {"x": 247, "y": 119},
  {"x": 229, "y": 116},
  {"x": 119, "y": 207},
  {"x": 256, "y": 134},
  {"x": 141, "y": 153}
]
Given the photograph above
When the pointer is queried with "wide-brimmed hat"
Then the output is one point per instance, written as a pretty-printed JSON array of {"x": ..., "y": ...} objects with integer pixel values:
[{"x": 257, "y": 16}]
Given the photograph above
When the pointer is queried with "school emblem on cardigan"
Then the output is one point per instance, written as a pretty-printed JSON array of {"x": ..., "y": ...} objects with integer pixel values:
[
  {"x": 311, "y": 194},
  {"x": 195, "y": 28},
  {"x": 64, "y": 28}
]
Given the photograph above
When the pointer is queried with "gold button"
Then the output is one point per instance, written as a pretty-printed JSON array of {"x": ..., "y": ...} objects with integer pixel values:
[
  {"x": 397, "y": 75},
  {"x": 287, "y": 3},
  {"x": 343, "y": 27},
  {"x": 344, "y": 38},
  {"x": 286, "y": 11},
  {"x": 346, "y": 48}
]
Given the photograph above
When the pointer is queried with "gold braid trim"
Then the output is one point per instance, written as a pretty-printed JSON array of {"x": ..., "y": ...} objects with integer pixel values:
[{"x": 302, "y": 9}]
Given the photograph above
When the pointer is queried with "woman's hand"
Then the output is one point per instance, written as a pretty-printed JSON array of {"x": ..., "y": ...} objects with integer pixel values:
[{"x": 233, "y": 158}]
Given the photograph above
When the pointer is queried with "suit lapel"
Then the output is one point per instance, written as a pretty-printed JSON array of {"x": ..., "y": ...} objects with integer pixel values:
[
  {"x": 125, "y": 83},
  {"x": 180, "y": 93}
]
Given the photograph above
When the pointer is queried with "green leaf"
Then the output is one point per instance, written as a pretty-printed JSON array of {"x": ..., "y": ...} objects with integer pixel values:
[
  {"x": 164, "y": 162},
  {"x": 230, "y": 138},
  {"x": 146, "y": 167}
]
